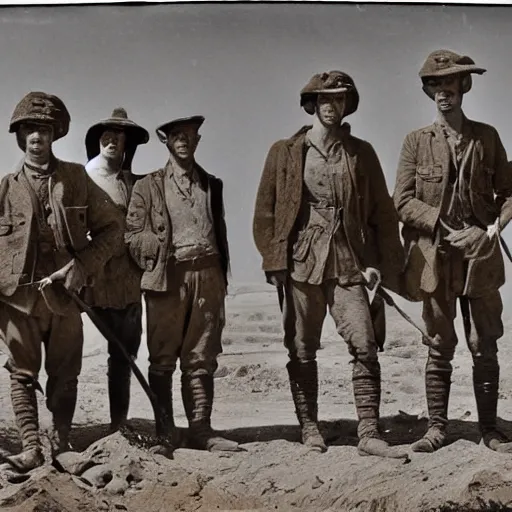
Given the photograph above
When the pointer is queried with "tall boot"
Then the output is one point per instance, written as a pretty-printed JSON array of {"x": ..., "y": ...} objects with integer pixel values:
[
  {"x": 197, "y": 393},
  {"x": 438, "y": 374},
  {"x": 367, "y": 390},
  {"x": 161, "y": 385},
  {"x": 24, "y": 403},
  {"x": 303, "y": 377},
  {"x": 119, "y": 378},
  {"x": 62, "y": 404},
  {"x": 486, "y": 378}
]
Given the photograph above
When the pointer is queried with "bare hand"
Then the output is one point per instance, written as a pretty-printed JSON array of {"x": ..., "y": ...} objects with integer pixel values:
[
  {"x": 277, "y": 277},
  {"x": 472, "y": 241},
  {"x": 372, "y": 277},
  {"x": 72, "y": 274}
]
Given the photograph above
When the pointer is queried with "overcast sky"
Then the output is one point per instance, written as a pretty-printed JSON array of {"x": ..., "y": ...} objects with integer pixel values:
[{"x": 242, "y": 67}]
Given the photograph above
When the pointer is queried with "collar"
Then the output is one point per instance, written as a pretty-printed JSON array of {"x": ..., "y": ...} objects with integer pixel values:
[
  {"x": 440, "y": 124},
  {"x": 171, "y": 170},
  {"x": 39, "y": 170},
  {"x": 340, "y": 137}
]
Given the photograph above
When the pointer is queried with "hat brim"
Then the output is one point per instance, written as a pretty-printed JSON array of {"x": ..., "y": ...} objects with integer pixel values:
[
  {"x": 339, "y": 90},
  {"x": 135, "y": 135},
  {"x": 165, "y": 128},
  {"x": 456, "y": 70}
]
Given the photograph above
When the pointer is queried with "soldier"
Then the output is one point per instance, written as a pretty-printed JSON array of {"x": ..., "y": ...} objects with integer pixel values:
[
  {"x": 176, "y": 232},
  {"x": 325, "y": 226},
  {"x": 48, "y": 208},
  {"x": 454, "y": 195},
  {"x": 116, "y": 296}
]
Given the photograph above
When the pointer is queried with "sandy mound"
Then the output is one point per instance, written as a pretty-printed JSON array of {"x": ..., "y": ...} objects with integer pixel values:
[
  {"x": 275, "y": 475},
  {"x": 253, "y": 406}
]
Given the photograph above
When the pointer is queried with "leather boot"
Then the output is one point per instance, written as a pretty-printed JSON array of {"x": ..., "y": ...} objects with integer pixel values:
[
  {"x": 304, "y": 387},
  {"x": 486, "y": 378},
  {"x": 119, "y": 378},
  {"x": 62, "y": 404},
  {"x": 438, "y": 374},
  {"x": 367, "y": 391},
  {"x": 161, "y": 385},
  {"x": 197, "y": 393},
  {"x": 24, "y": 403}
]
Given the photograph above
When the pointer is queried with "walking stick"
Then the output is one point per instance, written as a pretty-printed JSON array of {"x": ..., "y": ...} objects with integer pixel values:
[
  {"x": 432, "y": 341},
  {"x": 107, "y": 334}
]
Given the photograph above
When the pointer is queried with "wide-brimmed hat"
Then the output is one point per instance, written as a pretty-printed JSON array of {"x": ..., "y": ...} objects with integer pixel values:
[
  {"x": 332, "y": 82},
  {"x": 163, "y": 130},
  {"x": 445, "y": 62},
  {"x": 42, "y": 108},
  {"x": 135, "y": 134}
]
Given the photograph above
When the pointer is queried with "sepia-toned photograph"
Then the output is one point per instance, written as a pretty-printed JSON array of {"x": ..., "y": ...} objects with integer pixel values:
[{"x": 256, "y": 257}]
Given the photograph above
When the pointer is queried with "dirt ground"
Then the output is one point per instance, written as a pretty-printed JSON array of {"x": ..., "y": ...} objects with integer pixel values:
[{"x": 253, "y": 406}]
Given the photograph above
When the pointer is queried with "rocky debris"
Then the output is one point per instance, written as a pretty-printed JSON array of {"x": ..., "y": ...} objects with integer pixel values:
[{"x": 114, "y": 473}]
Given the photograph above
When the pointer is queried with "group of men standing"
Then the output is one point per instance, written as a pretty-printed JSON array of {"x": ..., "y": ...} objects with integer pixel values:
[{"x": 326, "y": 228}]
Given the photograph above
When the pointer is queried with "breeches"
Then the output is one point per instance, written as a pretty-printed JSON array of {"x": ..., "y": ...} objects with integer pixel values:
[
  {"x": 186, "y": 322},
  {"x": 304, "y": 314},
  {"x": 61, "y": 336},
  {"x": 481, "y": 319}
]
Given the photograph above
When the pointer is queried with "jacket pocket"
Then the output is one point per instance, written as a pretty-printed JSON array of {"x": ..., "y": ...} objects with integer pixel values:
[
  {"x": 430, "y": 173},
  {"x": 304, "y": 242}
]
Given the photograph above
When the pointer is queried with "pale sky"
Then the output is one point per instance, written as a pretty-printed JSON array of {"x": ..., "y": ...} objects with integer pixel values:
[{"x": 242, "y": 67}]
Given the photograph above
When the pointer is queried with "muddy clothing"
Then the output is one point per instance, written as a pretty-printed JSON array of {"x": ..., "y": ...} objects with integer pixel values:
[
  {"x": 190, "y": 281},
  {"x": 422, "y": 196},
  {"x": 61, "y": 336},
  {"x": 186, "y": 322},
  {"x": 304, "y": 314},
  {"x": 46, "y": 219},
  {"x": 321, "y": 251},
  {"x": 325, "y": 218},
  {"x": 193, "y": 234},
  {"x": 149, "y": 232},
  {"x": 78, "y": 207},
  {"x": 369, "y": 217},
  {"x": 176, "y": 232},
  {"x": 465, "y": 181},
  {"x": 71, "y": 205}
]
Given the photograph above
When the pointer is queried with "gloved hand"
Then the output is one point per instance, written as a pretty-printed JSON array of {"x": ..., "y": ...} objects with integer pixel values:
[{"x": 277, "y": 277}]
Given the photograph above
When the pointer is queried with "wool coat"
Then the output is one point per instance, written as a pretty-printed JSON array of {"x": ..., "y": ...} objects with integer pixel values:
[
  {"x": 420, "y": 196},
  {"x": 149, "y": 228},
  {"x": 369, "y": 219},
  {"x": 83, "y": 219}
]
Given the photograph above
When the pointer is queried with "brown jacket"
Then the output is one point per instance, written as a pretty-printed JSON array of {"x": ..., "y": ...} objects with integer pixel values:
[
  {"x": 86, "y": 220},
  {"x": 149, "y": 229},
  {"x": 421, "y": 186},
  {"x": 370, "y": 220}
]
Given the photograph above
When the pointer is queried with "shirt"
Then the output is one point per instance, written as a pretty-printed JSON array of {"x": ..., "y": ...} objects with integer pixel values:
[{"x": 193, "y": 234}]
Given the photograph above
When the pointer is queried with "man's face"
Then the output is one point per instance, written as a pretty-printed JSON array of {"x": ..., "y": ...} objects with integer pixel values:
[
  {"x": 330, "y": 108},
  {"x": 447, "y": 92},
  {"x": 112, "y": 144},
  {"x": 182, "y": 142},
  {"x": 38, "y": 140}
]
